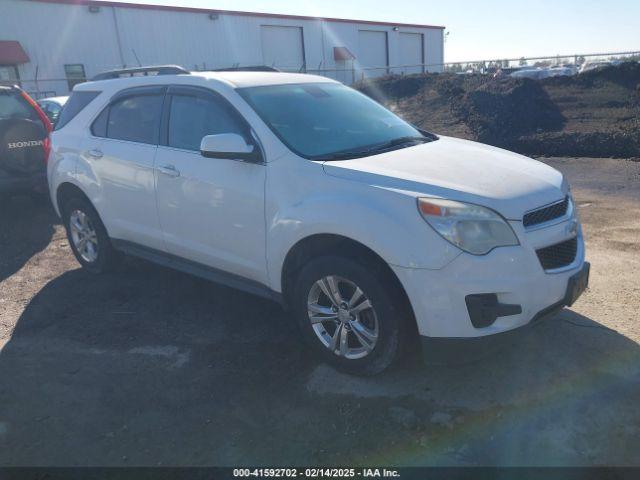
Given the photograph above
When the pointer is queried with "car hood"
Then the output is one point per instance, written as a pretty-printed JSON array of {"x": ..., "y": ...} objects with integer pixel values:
[{"x": 460, "y": 170}]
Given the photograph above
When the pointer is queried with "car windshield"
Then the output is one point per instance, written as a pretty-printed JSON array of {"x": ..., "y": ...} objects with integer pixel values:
[{"x": 329, "y": 121}]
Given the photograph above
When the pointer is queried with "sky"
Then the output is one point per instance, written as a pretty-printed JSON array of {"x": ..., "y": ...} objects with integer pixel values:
[{"x": 479, "y": 29}]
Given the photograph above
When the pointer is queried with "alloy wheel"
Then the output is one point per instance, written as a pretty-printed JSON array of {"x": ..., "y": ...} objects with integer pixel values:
[
  {"x": 83, "y": 236},
  {"x": 342, "y": 317}
]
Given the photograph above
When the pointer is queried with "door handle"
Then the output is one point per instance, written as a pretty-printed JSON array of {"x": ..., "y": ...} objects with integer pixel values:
[
  {"x": 95, "y": 153},
  {"x": 169, "y": 170}
]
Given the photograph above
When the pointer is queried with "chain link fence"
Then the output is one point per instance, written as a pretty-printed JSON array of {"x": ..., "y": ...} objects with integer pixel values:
[
  {"x": 554, "y": 65},
  {"x": 352, "y": 72}
]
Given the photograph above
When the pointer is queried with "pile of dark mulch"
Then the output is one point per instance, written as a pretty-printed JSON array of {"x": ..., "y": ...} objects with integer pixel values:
[
  {"x": 500, "y": 111},
  {"x": 581, "y": 144},
  {"x": 496, "y": 111},
  {"x": 553, "y": 117}
]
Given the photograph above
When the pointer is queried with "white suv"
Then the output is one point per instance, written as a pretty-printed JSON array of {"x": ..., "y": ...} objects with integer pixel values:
[{"x": 303, "y": 190}]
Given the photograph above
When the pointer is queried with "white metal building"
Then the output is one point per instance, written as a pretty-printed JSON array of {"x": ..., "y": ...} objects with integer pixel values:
[{"x": 48, "y": 45}]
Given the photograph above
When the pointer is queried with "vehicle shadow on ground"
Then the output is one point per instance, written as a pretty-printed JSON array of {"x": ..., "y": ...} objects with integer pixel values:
[
  {"x": 26, "y": 227},
  {"x": 148, "y": 366}
]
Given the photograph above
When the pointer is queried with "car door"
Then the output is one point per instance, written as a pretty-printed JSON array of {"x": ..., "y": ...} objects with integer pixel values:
[
  {"x": 211, "y": 209},
  {"x": 121, "y": 151}
]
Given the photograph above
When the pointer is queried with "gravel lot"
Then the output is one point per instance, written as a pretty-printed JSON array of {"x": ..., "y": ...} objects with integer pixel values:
[{"x": 148, "y": 366}]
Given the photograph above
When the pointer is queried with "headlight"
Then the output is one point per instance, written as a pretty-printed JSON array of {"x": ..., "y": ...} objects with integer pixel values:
[{"x": 473, "y": 228}]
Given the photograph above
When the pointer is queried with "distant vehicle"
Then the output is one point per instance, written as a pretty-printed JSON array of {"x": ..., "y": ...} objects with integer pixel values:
[
  {"x": 300, "y": 189},
  {"x": 559, "y": 72},
  {"x": 588, "y": 66},
  {"x": 24, "y": 143},
  {"x": 540, "y": 73},
  {"x": 52, "y": 107},
  {"x": 533, "y": 73}
]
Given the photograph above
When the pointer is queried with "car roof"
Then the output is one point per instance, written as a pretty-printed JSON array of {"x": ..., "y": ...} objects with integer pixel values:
[
  {"x": 234, "y": 79},
  {"x": 58, "y": 100},
  {"x": 258, "y": 79}
]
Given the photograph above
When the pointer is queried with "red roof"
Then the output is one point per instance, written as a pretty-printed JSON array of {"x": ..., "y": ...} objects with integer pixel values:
[
  {"x": 342, "y": 53},
  {"x": 12, "y": 53},
  {"x": 229, "y": 12}
]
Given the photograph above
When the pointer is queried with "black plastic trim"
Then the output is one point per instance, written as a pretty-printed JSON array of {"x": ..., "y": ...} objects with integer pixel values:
[
  {"x": 484, "y": 309},
  {"x": 252, "y": 157},
  {"x": 252, "y": 68},
  {"x": 197, "y": 269},
  {"x": 130, "y": 72},
  {"x": 546, "y": 213}
]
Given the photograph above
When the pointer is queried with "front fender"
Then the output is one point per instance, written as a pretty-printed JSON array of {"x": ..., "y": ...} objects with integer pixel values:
[{"x": 386, "y": 221}]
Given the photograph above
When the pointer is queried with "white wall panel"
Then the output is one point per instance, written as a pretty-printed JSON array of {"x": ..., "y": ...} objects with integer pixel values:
[
  {"x": 57, "y": 34},
  {"x": 434, "y": 48}
]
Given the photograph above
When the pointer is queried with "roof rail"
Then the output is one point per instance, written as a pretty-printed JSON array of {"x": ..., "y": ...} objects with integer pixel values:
[
  {"x": 142, "y": 71},
  {"x": 254, "y": 68}
]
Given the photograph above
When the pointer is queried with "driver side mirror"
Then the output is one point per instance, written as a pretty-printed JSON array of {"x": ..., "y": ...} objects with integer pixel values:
[{"x": 229, "y": 145}]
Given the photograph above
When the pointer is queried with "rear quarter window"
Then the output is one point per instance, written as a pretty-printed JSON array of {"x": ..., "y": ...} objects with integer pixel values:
[{"x": 76, "y": 103}]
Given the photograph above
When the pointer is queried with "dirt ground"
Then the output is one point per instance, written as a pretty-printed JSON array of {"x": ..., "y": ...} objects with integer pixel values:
[{"x": 147, "y": 366}]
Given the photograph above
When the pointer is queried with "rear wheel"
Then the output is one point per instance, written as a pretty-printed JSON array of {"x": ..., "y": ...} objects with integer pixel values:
[
  {"x": 87, "y": 236},
  {"x": 347, "y": 314}
]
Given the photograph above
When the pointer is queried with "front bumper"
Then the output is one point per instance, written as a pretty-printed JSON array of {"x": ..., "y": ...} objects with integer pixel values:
[
  {"x": 462, "y": 350},
  {"x": 513, "y": 274}
]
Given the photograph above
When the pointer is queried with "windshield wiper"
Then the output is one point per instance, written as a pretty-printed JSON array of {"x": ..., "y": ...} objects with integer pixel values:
[{"x": 396, "y": 142}]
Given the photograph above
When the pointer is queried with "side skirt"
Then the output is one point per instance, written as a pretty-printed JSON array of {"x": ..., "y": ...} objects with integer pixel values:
[{"x": 193, "y": 268}]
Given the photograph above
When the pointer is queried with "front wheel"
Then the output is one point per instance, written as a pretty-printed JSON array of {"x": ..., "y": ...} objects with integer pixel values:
[
  {"x": 87, "y": 236},
  {"x": 348, "y": 315}
]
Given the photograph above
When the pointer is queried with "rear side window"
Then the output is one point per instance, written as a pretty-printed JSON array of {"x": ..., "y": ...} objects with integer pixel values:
[
  {"x": 193, "y": 117},
  {"x": 134, "y": 118},
  {"x": 99, "y": 126},
  {"x": 76, "y": 103},
  {"x": 13, "y": 105}
]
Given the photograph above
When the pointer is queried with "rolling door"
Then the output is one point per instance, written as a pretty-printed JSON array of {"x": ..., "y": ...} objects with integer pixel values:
[
  {"x": 282, "y": 47},
  {"x": 411, "y": 52},
  {"x": 373, "y": 52}
]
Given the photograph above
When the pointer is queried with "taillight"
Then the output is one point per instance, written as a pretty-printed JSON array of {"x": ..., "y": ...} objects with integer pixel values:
[{"x": 46, "y": 144}]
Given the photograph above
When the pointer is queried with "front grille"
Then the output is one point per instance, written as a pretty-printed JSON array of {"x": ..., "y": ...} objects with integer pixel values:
[
  {"x": 558, "y": 255},
  {"x": 545, "y": 214}
]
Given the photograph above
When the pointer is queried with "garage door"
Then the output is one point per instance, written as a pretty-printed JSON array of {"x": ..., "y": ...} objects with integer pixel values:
[
  {"x": 411, "y": 52},
  {"x": 282, "y": 47},
  {"x": 372, "y": 52}
]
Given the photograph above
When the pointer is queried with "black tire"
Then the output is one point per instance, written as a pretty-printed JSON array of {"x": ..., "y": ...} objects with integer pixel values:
[
  {"x": 378, "y": 289},
  {"x": 107, "y": 257}
]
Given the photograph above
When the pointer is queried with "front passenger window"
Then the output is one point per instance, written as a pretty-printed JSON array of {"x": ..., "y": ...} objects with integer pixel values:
[
  {"x": 193, "y": 117},
  {"x": 135, "y": 119}
]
